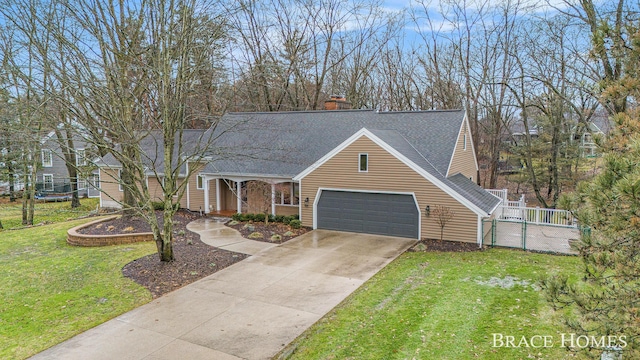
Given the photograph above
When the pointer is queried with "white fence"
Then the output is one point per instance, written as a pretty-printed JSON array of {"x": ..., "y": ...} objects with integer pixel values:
[
  {"x": 538, "y": 216},
  {"x": 517, "y": 211},
  {"x": 500, "y": 193}
]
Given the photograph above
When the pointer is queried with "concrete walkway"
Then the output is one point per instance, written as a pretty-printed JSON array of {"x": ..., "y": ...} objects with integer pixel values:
[
  {"x": 213, "y": 232},
  {"x": 249, "y": 310}
]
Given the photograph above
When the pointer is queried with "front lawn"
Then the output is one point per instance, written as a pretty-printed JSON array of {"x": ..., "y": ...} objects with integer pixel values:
[
  {"x": 443, "y": 306},
  {"x": 45, "y": 212},
  {"x": 52, "y": 291}
]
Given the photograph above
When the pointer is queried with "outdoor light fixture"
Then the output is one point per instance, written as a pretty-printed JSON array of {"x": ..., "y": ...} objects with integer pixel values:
[
  {"x": 306, "y": 202},
  {"x": 427, "y": 211}
]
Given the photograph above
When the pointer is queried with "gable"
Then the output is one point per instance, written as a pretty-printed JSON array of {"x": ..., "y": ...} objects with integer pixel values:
[{"x": 463, "y": 159}]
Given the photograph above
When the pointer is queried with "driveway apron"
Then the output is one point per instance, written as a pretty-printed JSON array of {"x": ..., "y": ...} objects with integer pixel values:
[{"x": 249, "y": 310}]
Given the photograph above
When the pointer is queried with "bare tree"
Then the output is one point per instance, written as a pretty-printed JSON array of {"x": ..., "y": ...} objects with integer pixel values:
[
  {"x": 442, "y": 215},
  {"x": 134, "y": 69}
]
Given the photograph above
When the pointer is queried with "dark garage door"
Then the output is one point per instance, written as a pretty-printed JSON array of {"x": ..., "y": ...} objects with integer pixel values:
[{"x": 372, "y": 213}]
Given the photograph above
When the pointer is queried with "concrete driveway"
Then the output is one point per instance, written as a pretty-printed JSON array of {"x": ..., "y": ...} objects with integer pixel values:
[{"x": 249, "y": 310}]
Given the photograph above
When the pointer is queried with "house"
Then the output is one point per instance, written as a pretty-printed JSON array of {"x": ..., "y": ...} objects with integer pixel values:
[
  {"x": 53, "y": 175},
  {"x": 585, "y": 136},
  {"x": 351, "y": 170}
]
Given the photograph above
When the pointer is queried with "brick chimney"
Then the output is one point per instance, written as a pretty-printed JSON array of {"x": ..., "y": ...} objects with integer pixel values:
[{"x": 337, "y": 102}]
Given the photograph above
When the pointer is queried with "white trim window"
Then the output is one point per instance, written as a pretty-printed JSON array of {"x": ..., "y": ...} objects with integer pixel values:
[
  {"x": 95, "y": 181},
  {"x": 200, "y": 182},
  {"x": 82, "y": 184},
  {"x": 120, "y": 187},
  {"x": 81, "y": 158},
  {"x": 464, "y": 141},
  {"x": 363, "y": 162},
  {"x": 288, "y": 194},
  {"x": 47, "y": 158},
  {"x": 47, "y": 180}
]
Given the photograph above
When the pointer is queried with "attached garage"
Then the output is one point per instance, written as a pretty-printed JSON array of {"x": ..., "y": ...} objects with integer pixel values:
[{"x": 368, "y": 212}]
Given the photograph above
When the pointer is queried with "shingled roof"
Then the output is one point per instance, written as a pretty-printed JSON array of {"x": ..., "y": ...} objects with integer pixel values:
[{"x": 285, "y": 143}]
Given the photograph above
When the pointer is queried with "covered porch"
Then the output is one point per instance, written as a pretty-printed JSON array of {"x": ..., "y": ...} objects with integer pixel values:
[{"x": 225, "y": 195}]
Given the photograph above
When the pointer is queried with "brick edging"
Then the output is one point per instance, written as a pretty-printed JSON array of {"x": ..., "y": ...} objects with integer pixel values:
[{"x": 74, "y": 238}]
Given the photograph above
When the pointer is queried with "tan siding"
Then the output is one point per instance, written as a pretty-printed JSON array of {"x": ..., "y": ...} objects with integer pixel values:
[
  {"x": 109, "y": 185},
  {"x": 196, "y": 196},
  {"x": 183, "y": 199},
  {"x": 386, "y": 173},
  {"x": 463, "y": 161},
  {"x": 287, "y": 210},
  {"x": 228, "y": 199},
  {"x": 155, "y": 190}
]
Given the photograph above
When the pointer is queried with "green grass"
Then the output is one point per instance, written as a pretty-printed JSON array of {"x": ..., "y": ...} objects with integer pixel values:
[
  {"x": 430, "y": 306},
  {"x": 52, "y": 291},
  {"x": 52, "y": 212}
]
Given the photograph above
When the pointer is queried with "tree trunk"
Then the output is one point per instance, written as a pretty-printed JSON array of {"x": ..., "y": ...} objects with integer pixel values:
[
  {"x": 12, "y": 183},
  {"x": 32, "y": 189},
  {"x": 75, "y": 198},
  {"x": 165, "y": 247}
]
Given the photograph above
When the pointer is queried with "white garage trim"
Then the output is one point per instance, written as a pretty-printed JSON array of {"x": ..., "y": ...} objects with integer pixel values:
[{"x": 319, "y": 193}]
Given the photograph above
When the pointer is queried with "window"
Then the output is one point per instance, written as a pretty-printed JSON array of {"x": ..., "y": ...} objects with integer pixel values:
[
  {"x": 364, "y": 163},
  {"x": 81, "y": 159},
  {"x": 82, "y": 184},
  {"x": 288, "y": 194},
  {"x": 47, "y": 179},
  {"x": 47, "y": 158},
  {"x": 200, "y": 182},
  {"x": 464, "y": 142},
  {"x": 94, "y": 181},
  {"x": 120, "y": 187}
]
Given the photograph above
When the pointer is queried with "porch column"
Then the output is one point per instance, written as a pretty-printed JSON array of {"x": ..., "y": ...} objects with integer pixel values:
[
  {"x": 205, "y": 185},
  {"x": 218, "y": 207},
  {"x": 239, "y": 195},
  {"x": 273, "y": 199}
]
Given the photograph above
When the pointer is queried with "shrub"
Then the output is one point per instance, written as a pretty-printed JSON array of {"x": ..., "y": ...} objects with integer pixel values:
[
  {"x": 258, "y": 217},
  {"x": 255, "y": 235},
  {"x": 286, "y": 220},
  {"x": 276, "y": 237},
  {"x": 279, "y": 218},
  {"x": 249, "y": 217},
  {"x": 237, "y": 217},
  {"x": 295, "y": 224},
  {"x": 159, "y": 205}
]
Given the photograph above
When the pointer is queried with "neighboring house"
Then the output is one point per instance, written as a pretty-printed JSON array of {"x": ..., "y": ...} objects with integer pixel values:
[
  {"x": 585, "y": 138},
  {"x": 350, "y": 170},
  {"x": 53, "y": 175}
]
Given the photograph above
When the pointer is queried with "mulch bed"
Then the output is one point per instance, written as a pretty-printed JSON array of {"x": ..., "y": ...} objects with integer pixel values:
[
  {"x": 247, "y": 228},
  {"x": 128, "y": 225},
  {"x": 193, "y": 258},
  {"x": 444, "y": 246}
]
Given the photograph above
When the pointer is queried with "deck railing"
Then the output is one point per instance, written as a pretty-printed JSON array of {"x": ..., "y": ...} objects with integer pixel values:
[
  {"x": 538, "y": 216},
  {"x": 501, "y": 193}
]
